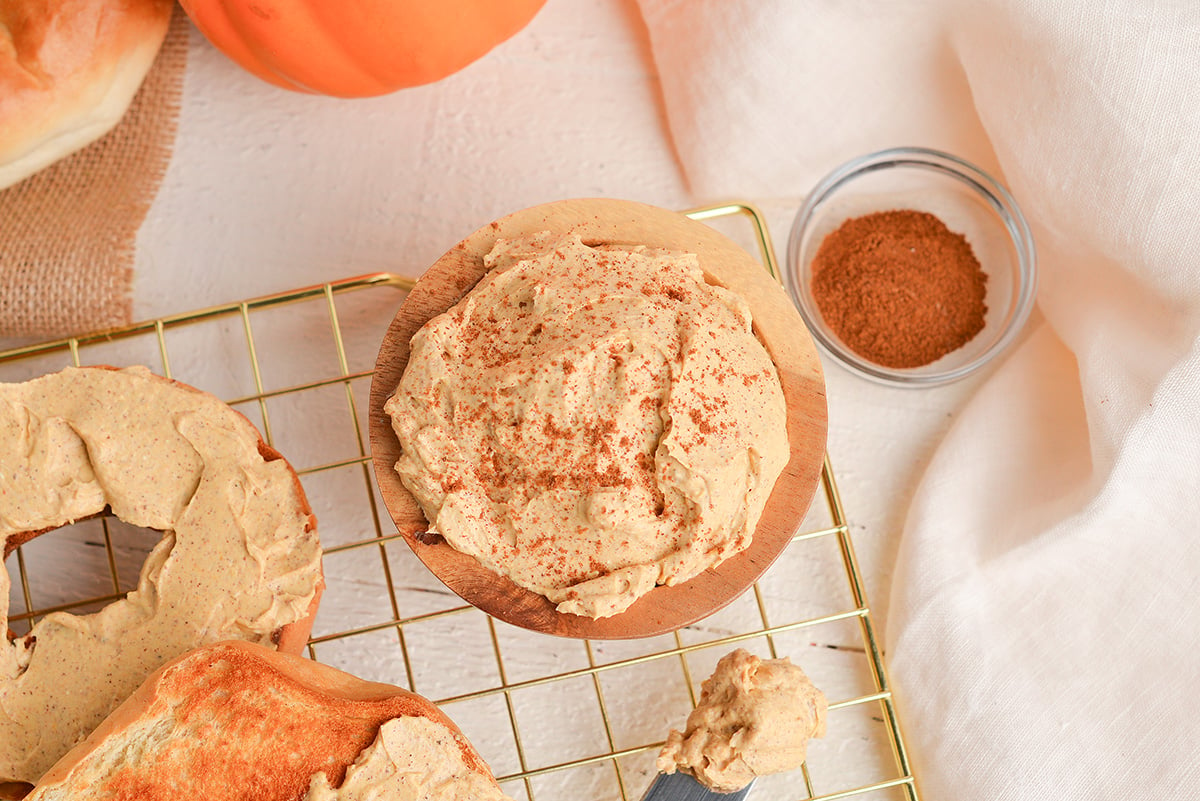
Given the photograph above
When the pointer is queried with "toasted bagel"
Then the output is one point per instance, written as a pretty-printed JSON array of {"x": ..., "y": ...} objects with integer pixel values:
[
  {"x": 239, "y": 558},
  {"x": 239, "y": 722}
]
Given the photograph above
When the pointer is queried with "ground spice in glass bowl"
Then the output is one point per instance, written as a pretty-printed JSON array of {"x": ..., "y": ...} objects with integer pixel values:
[
  {"x": 899, "y": 287},
  {"x": 911, "y": 267}
]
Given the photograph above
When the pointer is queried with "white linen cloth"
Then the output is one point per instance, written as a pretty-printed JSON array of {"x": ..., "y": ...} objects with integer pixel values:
[{"x": 1043, "y": 621}]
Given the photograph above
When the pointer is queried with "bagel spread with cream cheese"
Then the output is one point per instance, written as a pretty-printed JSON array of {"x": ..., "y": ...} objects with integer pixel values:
[{"x": 239, "y": 558}]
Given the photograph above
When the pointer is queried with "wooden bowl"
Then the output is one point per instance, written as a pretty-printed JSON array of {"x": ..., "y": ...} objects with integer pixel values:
[{"x": 776, "y": 323}]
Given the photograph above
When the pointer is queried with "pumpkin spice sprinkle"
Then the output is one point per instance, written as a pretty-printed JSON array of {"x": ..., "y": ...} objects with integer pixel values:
[
  {"x": 591, "y": 421},
  {"x": 899, "y": 287}
]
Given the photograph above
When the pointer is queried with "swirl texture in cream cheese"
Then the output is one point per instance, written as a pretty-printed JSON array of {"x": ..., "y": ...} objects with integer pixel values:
[
  {"x": 412, "y": 759},
  {"x": 591, "y": 421},
  {"x": 239, "y": 558}
]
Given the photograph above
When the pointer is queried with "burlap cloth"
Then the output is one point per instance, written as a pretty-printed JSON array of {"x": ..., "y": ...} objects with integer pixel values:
[{"x": 67, "y": 233}]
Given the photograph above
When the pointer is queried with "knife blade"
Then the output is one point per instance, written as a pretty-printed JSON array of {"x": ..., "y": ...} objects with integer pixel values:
[{"x": 682, "y": 787}]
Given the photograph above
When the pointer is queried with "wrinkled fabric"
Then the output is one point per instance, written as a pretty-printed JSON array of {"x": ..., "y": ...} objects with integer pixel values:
[{"x": 1041, "y": 623}]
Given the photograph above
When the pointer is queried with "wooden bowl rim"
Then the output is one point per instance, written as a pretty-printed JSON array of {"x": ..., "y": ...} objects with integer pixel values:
[{"x": 777, "y": 324}]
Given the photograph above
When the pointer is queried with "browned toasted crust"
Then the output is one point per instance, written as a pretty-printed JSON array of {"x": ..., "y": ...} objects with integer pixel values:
[{"x": 250, "y": 724}]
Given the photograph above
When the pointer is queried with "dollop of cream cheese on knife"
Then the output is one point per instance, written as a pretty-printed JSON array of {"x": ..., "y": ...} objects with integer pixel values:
[{"x": 755, "y": 717}]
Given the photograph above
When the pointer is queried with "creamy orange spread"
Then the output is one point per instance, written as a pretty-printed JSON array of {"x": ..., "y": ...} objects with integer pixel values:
[
  {"x": 591, "y": 421},
  {"x": 238, "y": 559},
  {"x": 412, "y": 759},
  {"x": 755, "y": 717}
]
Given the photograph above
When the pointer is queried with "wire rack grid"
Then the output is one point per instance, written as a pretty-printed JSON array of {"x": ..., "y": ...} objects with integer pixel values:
[{"x": 555, "y": 718}]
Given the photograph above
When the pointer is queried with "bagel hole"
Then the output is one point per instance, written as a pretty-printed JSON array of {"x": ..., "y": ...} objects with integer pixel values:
[
  {"x": 14, "y": 790},
  {"x": 76, "y": 569}
]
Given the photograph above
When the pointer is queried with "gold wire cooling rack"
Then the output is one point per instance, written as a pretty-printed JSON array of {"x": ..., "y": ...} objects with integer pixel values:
[{"x": 555, "y": 718}]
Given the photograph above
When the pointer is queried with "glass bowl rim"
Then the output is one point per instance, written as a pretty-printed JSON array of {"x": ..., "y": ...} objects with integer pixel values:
[{"x": 998, "y": 198}]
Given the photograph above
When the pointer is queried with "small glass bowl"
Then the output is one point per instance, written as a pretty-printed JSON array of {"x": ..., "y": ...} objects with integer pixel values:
[{"x": 969, "y": 201}]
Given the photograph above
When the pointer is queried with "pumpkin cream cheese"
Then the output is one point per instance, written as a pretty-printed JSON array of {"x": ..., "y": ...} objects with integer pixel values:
[
  {"x": 755, "y": 717},
  {"x": 412, "y": 759},
  {"x": 239, "y": 558},
  {"x": 591, "y": 421}
]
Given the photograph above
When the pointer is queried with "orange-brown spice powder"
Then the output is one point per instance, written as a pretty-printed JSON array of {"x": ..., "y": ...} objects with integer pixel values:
[{"x": 899, "y": 288}]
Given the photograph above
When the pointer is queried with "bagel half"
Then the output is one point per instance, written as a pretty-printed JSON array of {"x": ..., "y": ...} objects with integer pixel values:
[
  {"x": 239, "y": 558},
  {"x": 68, "y": 71},
  {"x": 238, "y": 722}
]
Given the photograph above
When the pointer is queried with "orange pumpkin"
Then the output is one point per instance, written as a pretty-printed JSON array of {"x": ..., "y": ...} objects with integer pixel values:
[{"x": 357, "y": 48}]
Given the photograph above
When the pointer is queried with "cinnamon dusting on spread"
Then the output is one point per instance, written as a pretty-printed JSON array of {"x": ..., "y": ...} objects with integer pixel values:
[{"x": 607, "y": 429}]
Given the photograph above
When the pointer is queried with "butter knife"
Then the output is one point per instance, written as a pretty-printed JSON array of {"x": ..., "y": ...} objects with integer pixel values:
[{"x": 682, "y": 787}]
